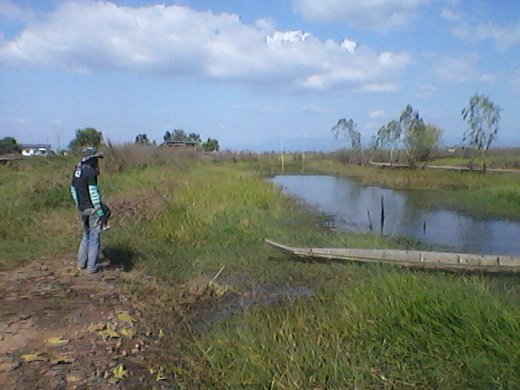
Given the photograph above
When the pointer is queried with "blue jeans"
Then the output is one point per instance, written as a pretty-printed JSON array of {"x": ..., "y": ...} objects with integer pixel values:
[{"x": 88, "y": 251}]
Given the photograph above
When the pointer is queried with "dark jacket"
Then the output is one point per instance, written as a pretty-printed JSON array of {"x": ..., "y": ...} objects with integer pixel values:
[{"x": 84, "y": 189}]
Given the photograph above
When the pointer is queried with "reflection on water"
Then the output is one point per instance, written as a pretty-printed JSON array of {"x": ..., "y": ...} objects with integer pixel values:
[{"x": 354, "y": 207}]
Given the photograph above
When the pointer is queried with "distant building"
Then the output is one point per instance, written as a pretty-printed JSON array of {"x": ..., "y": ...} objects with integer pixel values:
[
  {"x": 35, "y": 149},
  {"x": 189, "y": 144}
]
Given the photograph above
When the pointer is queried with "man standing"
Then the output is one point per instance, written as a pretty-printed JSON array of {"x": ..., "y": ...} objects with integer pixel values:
[{"x": 85, "y": 192}]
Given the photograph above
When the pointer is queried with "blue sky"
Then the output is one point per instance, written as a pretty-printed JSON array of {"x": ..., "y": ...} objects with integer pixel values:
[{"x": 254, "y": 74}]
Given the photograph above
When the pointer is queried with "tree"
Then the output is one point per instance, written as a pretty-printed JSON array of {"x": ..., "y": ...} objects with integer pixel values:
[
  {"x": 211, "y": 145},
  {"x": 142, "y": 139},
  {"x": 8, "y": 145},
  {"x": 167, "y": 136},
  {"x": 388, "y": 136},
  {"x": 410, "y": 132},
  {"x": 413, "y": 129},
  {"x": 180, "y": 135},
  {"x": 86, "y": 137},
  {"x": 482, "y": 116},
  {"x": 194, "y": 137},
  {"x": 347, "y": 128},
  {"x": 419, "y": 138}
]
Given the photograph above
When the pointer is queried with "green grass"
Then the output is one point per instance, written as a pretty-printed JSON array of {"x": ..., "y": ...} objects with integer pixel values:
[
  {"x": 371, "y": 329},
  {"x": 496, "y": 160},
  {"x": 283, "y": 323},
  {"x": 37, "y": 219}
]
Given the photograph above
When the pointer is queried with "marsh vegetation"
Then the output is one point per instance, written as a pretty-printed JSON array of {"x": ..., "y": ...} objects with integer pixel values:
[{"x": 233, "y": 313}]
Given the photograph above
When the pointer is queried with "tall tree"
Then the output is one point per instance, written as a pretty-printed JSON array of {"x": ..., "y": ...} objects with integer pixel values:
[
  {"x": 347, "y": 129},
  {"x": 483, "y": 117},
  {"x": 86, "y": 137},
  {"x": 142, "y": 139},
  {"x": 211, "y": 145},
  {"x": 388, "y": 136},
  {"x": 179, "y": 135},
  {"x": 194, "y": 137},
  {"x": 8, "y": 145},
  {"x": 419, "y": 139},
  {"x": 167, "y": 136}
]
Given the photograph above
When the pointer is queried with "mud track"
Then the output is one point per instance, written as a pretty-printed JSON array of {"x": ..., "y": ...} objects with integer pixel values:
[{"x": 61, "y": 328}]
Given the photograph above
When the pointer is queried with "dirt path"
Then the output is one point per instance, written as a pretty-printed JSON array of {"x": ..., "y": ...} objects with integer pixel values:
[{"x": 65, "y": 329}]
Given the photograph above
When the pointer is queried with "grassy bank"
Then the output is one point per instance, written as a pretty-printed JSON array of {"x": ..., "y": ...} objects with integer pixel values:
[
  {"x": 37, "y": 219},
  {"x": 234, "y": 313},
  {"x": 373, "y": 329}
]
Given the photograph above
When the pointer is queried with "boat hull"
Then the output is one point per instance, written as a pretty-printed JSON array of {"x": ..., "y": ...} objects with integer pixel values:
[{"x": 407, "y": 258}]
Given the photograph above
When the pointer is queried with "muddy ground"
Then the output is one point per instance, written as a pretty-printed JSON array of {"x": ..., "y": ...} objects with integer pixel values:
[{"x": 61, "y": 328}]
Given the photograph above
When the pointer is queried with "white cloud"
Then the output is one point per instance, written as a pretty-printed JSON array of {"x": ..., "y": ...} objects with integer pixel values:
[
  {"x": 427, "y": 90},
  {"x": 271, "y": 109},
  {"x": 11, "y": 11},
  {"x": 503, "y": 37},
  {"x": 457, "y": 69},
  {"x": 515, "y": 80},
  {"x": 381, "y": 87},
  {"x": 315, "y": 108},
  {"x": 176, "y": 41},
  {"x": 350, "y": 45},
  {"x": 380, "y": 15},
  {"x": 450, "y": 14},
  {"x": 14, "y": 120},
  {"x": 371, "y": 125},
  {"x": 488, "y": 78},
  {"x": 377, "y": 114}
]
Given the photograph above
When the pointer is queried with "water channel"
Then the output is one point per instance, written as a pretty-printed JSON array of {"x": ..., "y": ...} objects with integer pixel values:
[{"x": 357, "y": 208}]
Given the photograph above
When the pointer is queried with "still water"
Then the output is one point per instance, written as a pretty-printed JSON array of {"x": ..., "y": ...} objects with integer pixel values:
[{"x": 355, "y": 207}]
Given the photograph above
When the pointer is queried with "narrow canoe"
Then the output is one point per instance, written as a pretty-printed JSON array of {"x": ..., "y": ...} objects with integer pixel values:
[{"x": 407, "y": 258}]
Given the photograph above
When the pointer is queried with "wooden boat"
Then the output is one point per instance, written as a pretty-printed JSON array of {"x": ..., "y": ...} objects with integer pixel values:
[{"x": 408, "y": 258}]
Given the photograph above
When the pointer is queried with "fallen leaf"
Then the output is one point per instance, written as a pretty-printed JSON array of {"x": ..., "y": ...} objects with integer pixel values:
[
  {"x": 72, "y": 378},
  {"x": 31, "y": 357},
  {"x": 127, "y": 333},
  {"x": 125, "y": 317},
  {"x": 108, "y": 333},
  {"x": 118, "y": 373},
  {"x": 55, "y": 341},
  {"x": 64, "y": 358},
  {"x": 96, "y": 327}
]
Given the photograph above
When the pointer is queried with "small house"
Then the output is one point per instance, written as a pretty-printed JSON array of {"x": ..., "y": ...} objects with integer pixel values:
[
  {"x": 189, "y": 144},
  {"x": 29, "y": 150}
]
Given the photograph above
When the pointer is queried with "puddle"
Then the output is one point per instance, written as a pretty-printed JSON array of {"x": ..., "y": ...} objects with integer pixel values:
[{"x": 233, "y": 303}]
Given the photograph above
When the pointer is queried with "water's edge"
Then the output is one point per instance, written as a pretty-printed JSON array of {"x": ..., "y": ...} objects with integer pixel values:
[{"x": 360, "y": 208}]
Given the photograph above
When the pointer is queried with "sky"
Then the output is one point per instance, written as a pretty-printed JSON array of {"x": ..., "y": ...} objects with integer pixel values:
[{"x": 258, "y": 75}]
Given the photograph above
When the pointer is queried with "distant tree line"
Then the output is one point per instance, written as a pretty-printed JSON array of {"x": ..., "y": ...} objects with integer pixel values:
[
  {"x": 408, "y": 133},
  {"x": 417, "y": 139},
  {"x": 89, "y": 137}
]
